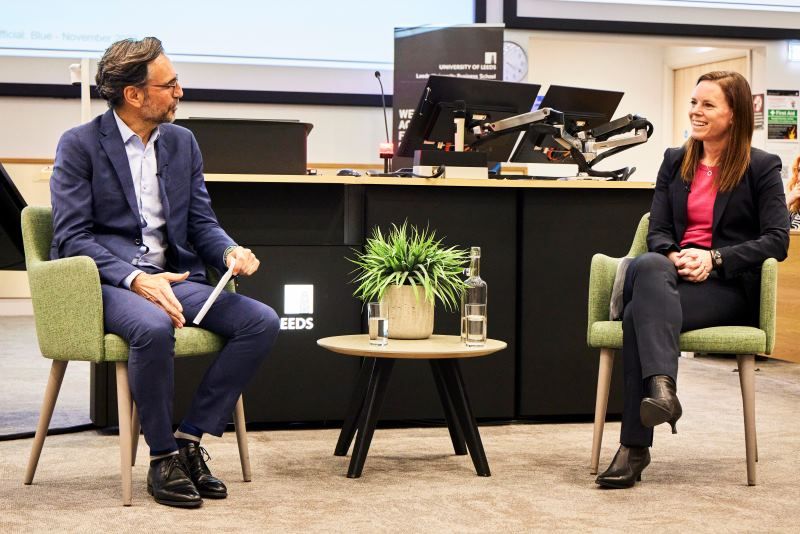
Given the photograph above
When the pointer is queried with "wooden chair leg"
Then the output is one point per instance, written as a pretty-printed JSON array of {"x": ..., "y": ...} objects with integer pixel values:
[
  {"x": 241, "y": 439},
  {"x": 124, "y": 413},
  {"x": 57, "y": 370},
  {"x": 135, "y": 430},
  {"x": 601, "y": 405},
  {"x": 747, "y": 379}
]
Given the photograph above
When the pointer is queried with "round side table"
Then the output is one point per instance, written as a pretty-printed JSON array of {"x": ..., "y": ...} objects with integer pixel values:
[{"x": 443, "y": 354}]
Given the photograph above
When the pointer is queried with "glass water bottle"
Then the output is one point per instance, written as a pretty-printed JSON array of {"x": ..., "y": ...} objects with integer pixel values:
[{"x": 473, "y": 303}]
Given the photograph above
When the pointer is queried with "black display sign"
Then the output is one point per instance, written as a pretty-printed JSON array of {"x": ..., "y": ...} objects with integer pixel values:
[{"x": 468, "y": 51}]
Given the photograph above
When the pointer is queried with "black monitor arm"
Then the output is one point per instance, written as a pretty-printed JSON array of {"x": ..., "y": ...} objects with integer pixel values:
[{"x": 583, "y": 145}]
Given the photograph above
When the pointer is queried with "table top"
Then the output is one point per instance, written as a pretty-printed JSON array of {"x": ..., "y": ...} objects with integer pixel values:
[
  {"x": 429, "y": 182},
  {"x": 436, "y": 346}
]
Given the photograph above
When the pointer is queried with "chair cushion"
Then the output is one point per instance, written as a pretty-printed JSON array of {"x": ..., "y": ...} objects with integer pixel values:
[
  {"x": 717, "y": 339},
  {"x": 189, "y": 341},
  {"x": 725, "y": 339}
]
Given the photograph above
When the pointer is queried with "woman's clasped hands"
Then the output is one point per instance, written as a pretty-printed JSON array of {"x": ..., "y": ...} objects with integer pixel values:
[{"x": 693, "y": 264}]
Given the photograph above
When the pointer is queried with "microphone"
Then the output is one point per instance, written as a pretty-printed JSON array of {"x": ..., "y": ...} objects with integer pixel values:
[
  {"x": 687, "y": 188},
  {"x": 383, "y": 100}
]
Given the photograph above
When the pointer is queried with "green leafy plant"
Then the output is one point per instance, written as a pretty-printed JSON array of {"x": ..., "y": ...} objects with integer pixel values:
[{"x": 408, "y": 256}]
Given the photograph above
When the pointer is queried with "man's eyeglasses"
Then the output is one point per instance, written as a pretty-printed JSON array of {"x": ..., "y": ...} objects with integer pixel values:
[{"x": 171, "y": 86}]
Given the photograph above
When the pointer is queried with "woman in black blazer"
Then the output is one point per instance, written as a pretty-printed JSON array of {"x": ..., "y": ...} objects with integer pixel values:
[{"x": 718, "y": 212}]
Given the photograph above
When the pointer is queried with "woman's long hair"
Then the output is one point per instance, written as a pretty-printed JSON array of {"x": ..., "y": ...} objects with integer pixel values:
[
  {"x": 736, "y": 156},
  {"x": 795, "y": 207}
]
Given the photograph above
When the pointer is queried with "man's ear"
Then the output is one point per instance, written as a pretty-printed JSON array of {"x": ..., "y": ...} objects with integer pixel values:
[{"x": 133, "y": 96}]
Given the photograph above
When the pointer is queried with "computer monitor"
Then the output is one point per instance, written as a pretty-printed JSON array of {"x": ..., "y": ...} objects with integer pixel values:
[
  {"x": 582, "y": 108},
  {"x": 12, "y": 254},
  {"x": 485, "y": 101}
]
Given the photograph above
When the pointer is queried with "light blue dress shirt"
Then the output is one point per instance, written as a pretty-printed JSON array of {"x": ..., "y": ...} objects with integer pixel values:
[{"x": 144, "y": 168}]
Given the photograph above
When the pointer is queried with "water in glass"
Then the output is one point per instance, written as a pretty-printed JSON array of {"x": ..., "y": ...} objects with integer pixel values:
[
  {"x": 475, "y": 324},
  {"x": 378, "y": 324}
]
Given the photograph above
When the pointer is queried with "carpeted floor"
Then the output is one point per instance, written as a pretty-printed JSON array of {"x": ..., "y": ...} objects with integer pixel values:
[
  {"x": 412, "y": 482},
  {"x": 23, "y": 377}
]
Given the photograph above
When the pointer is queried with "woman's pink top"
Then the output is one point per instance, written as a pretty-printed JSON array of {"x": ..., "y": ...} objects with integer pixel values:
[{"x": 700, "y": 207}]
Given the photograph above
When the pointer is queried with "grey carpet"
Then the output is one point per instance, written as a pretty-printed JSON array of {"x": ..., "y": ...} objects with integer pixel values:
[
  {"x": 23, "y": 376},
  {"x": 412, "y": 482}
]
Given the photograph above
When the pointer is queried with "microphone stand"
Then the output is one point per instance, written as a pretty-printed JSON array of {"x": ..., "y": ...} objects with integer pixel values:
[{"x": 386, "y": 156}]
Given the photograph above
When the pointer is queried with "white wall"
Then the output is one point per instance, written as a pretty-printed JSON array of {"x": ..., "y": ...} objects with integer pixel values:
[
  {"x": 642, "y": 67},
  {"x": 32, "y": 126},
  {"x": 612, "y": 65},
  {"x": 779, "y": 73}
]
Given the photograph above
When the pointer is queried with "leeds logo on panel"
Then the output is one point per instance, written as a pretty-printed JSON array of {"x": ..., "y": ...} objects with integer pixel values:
[{"x": 298, "y": 300}]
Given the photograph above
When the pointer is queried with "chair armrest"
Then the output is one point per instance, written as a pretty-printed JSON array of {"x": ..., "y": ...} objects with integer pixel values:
[
  {"x": 601, "y": 282},
  {"x": 769, "y": 292},
  {"x": 68, "y": 308}
]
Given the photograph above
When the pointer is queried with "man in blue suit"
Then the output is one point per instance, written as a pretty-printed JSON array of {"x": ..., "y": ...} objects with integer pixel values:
[{"x": 128, "y": 191}]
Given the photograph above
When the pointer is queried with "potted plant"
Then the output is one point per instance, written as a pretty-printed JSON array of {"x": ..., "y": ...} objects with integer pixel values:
[{"x": 409, "y": 269}]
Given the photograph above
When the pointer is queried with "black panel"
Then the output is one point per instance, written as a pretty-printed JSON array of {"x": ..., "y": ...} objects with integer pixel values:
[
  {"x": 512, "y": 21},
  {"x": 537, "y": 246},
  {"x": 562, "y": 230},
  {"x": 11, "y": 205},
  {"x": 280, "y": 214},
  {"x": 480, "y": 11},
  {"x": 241, "y": 96},
  {"x": 299, "y": 381},
  {"x": 484, "y": 217},
  {"x": 250, "y": 146},
  {"x": 10, "y": 257}
]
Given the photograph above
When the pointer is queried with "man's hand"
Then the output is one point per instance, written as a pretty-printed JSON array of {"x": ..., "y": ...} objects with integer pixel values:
[
  {"x": 246, "y": 261},
  {"x": 693, "y": 264},
  {"x": 156, "y": 288}
]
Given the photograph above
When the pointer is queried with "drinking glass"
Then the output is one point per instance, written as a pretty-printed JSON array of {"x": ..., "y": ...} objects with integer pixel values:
[
  {"x": 475, "y": 319},
  {"x": 378, "y": 323}
]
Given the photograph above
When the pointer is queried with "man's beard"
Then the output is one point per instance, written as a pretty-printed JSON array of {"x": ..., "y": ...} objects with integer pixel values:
[{"x": 159, "y": 118}]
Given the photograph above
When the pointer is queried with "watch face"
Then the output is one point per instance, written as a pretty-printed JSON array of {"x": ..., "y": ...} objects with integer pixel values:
[{"x": 515, "y": 62}]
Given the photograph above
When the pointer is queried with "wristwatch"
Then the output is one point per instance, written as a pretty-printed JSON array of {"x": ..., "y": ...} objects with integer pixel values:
[
  {"x": 226, "y": 252},
  {"x": 716, "y": 258}
]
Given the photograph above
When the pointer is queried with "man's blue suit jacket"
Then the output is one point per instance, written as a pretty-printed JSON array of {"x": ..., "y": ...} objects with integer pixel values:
[{"x": 96, "y": 213}]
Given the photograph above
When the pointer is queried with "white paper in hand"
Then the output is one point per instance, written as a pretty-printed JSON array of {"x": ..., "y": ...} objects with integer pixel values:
[{"x": 214, "y": 294}]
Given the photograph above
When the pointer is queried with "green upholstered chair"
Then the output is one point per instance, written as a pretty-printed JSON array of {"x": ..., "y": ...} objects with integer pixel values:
[
  {"x": 743, "y": 341},
  {"x": 68, "y": 310}
]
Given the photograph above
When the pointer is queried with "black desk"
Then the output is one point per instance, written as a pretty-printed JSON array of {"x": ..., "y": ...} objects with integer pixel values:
[{"x": 537, "y": 240}]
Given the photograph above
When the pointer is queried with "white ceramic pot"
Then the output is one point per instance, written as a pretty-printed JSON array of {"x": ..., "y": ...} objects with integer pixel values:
[{"x": 410, "y": 316}]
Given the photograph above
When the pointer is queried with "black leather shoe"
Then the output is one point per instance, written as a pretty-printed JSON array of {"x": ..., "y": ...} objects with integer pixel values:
[
  {"x": 626, "y": 468},
  {"x": 169, "y": 483},
  {"x": 661, "y": 404},
  {"x": 194, "y": 457}
]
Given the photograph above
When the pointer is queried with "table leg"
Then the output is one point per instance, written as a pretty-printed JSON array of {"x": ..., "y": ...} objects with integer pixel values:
[
  {"x": 451, "y": 372},
  {"x": 350, "y": 422},
  {"x": 456, "y": 435},
  {"x": 376, "y": 391}
]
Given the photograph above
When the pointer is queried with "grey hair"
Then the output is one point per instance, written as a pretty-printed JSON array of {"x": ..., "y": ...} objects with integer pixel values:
[{"x": 125, "y": 63}]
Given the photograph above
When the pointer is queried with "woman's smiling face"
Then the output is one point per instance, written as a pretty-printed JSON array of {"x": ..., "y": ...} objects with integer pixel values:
[{"x": 710, "y": 115}]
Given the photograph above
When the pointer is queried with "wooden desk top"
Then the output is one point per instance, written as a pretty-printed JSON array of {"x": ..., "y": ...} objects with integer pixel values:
[
  {"x": 430, "y": 182},
  {"x": 435, "y": 347}
]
